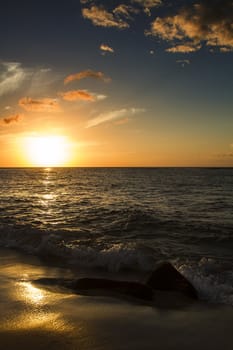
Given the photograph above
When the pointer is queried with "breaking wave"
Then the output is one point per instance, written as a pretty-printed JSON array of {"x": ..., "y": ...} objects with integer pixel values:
[{"x": 213, "y": 279}]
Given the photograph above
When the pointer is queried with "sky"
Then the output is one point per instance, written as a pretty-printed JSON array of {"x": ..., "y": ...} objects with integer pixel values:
[{"x": 116, "y": 83}]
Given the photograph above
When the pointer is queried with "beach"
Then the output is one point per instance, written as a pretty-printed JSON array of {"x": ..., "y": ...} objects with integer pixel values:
[{"x": 40, "y": 317}]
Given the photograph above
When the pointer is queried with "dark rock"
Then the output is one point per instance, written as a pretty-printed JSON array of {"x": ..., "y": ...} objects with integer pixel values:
[
  {"x": 133, "y": 289},
  {"x": 166, "y": 277}
]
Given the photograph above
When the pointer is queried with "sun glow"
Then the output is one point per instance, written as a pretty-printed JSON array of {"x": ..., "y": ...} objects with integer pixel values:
[{"x": 48, "y": 151}]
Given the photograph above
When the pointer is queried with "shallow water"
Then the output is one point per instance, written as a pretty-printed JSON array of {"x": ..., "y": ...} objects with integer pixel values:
[{"x": 121, "y": 219}]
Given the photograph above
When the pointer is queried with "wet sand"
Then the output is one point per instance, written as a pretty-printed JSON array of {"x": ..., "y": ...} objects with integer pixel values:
[{"x": 35, "y": 317}]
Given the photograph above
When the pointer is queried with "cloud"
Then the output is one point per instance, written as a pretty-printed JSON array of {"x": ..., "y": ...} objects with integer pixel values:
[
  {"x": 99, "y": 16},
  {"x": 226, "y": 49},
  {"x": 39, "y": 105},
  {"x": 106, "y": 48},
  {"x": 183, "y": 62},
  {"x": 196, "y": 25},
  {"x": 83, "y": 95},
  {"x": 45, "y": 70},
  {"x": 119, "y": 16},
  {"x": 147, "y": 4},
  {"x": 122, "y": 121},
  {"x": 12, "y": 75},
  {"x": 11, "y": 118},
  {"x": 75, "y": 95},
  {"x": 86, "y": 74},
  {"x": 125, "y": 11},
  {"x": 184, "y": 48},
  {"x": 113, "y": 115}
]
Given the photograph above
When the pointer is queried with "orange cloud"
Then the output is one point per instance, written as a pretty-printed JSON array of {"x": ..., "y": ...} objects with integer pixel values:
[
  {"x": 197, "y": 24},
  {"x": 226, "y": 49},
  {"x": 83, "y": 95},
  {"x": 12, "y": 118},
  {"x": 75, "y": 95},
  {"x": 186, "y": 48},
  {"x": 101, "y": 17},
  {"x": 39, "y": 105},
  {"x": 86, "y": 74},
  {"x": 148, "y": 4},
  {"x": 125, "y": 11}
]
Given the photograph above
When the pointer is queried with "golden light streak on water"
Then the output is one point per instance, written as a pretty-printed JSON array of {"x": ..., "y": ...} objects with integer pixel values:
[
  {"x": 36, "y": 310},
  {"x": 30, "y": 293}
]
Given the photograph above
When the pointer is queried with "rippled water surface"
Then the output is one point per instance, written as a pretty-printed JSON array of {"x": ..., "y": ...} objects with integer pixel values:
[{"x": 120, "y": 218}]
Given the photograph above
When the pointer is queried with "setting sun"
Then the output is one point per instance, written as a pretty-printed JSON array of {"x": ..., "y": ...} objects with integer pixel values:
[{"x": 48, "y": 150}]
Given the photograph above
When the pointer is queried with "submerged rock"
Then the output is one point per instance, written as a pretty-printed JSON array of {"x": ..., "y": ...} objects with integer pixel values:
[
  {"x": 133, "y": 289},
  {"x": 167, "y": 278},
  {"x": 162, "y": 281}
]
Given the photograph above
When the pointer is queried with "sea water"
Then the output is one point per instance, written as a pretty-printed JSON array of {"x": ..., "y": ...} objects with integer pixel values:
[{"x": 125, "y": 219}]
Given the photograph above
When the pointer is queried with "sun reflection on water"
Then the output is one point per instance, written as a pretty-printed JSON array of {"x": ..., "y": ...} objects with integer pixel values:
[
  {"x": 30, "y": 293},
  {"x": 39, "y": 312},
  {"x": 48, "y": 196}
]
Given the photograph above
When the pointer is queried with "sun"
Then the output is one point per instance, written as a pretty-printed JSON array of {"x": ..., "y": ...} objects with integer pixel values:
[{"x": 48, "y": 151}]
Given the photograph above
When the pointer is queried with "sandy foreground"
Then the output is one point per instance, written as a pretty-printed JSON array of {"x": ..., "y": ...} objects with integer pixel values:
[{"x": 35, "y": 317}]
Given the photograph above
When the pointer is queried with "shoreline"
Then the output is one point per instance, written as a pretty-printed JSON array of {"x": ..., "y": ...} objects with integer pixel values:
[{"x": 39, "y": 318}]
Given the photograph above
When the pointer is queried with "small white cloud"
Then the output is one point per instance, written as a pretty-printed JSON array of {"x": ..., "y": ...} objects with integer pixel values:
[
  {"x": 106, "y": 48},
  {"x": 12, "y": 75},
  {"x": 183, "y": 63},
  {"x": 113, "y": 115},
  {"x": 100, "y": 97},
  {"x": 45, "y": 70}
]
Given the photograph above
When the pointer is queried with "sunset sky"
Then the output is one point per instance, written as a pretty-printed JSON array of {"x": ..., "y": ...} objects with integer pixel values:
[{"x": 116, "y": 83}]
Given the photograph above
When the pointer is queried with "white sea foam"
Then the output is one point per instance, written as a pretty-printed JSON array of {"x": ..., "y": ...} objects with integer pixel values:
[
  {"x": 213, "y": 280},
  {"x": 89, "y": 253}
]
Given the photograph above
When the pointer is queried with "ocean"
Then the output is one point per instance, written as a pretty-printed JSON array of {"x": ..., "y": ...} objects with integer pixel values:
[{"x": 125, "y": 221}]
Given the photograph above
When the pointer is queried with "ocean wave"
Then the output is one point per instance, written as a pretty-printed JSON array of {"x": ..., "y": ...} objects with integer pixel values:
[
  {"x": 213, "y": 278},
  {"x": 86, "y": 251}
]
